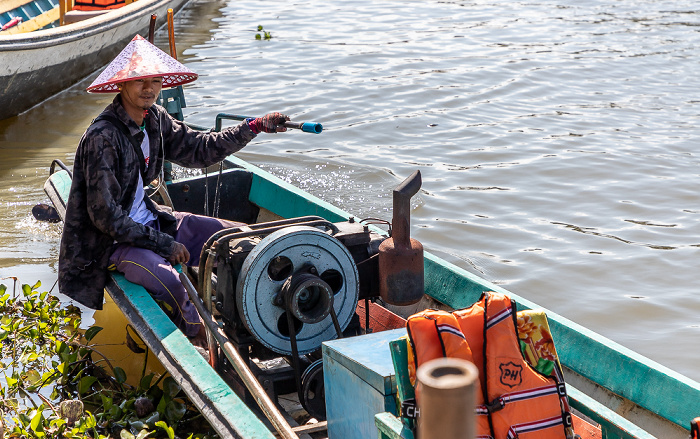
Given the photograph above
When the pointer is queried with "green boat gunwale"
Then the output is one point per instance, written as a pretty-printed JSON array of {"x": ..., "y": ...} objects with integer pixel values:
[{"x": 634, "y": 377}]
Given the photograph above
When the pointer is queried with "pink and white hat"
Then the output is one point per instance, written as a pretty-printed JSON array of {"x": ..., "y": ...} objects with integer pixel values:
[{"x": 141, "y": 59}]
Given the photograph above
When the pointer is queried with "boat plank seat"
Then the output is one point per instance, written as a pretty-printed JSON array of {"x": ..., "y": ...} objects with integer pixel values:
[
  {"x": 75, "y": 16},
  {"x": 8, "y": 5}
]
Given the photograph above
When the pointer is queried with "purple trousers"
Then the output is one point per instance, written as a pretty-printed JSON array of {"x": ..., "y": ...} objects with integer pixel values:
[{"x": 157, "y": 275}]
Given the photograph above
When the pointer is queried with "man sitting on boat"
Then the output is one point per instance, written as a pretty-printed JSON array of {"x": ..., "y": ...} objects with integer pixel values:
[{"x": 109, "y": 221}]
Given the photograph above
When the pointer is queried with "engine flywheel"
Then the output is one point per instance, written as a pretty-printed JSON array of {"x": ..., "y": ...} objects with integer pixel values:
[{"x": 315, "y": 270}]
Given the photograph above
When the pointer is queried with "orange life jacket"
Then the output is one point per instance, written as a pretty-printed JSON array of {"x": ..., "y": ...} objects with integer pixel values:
[
  {"x": 436, "y": 334},
  {"x": 514, "y": 400},
  {"x": 97, "y": 5}
]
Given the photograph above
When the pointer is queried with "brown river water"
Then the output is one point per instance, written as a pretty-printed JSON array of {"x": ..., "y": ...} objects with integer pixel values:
[{"x": 557, "y": 141}]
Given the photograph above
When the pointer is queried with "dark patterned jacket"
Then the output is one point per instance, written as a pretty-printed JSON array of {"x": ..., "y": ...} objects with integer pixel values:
[{"x": 105, "y": 175}]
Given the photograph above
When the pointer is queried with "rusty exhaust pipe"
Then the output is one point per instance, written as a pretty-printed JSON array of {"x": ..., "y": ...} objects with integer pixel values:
[{"x": 400, "y": 257}]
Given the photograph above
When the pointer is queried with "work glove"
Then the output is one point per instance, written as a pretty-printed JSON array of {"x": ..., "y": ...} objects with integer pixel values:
[{"x": 270, "y": 123}]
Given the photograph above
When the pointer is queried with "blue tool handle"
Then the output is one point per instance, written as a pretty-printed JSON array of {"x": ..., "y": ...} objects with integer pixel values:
[{"x": 307, "y": 127}]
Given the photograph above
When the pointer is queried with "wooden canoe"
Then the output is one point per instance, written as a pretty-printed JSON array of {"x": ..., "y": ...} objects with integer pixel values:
[
  {"x": 36, "y": 65},
  {"x": 627, "y": 395}
]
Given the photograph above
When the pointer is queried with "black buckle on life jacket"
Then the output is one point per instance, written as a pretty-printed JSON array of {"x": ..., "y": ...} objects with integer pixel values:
[
  {"x": 495, "y": 405},
  {"x": 409, "y": 409},
  {"x": 566, "y": 419},
  {"x": 561, "y": 389}
]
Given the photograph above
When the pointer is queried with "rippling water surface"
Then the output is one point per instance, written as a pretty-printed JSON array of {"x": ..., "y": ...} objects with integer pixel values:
[{"x": 557, "y": 141}]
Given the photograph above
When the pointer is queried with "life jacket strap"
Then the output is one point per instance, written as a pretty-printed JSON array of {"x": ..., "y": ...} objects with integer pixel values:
[
  {"x": 515, "y": 430},
  {"x": 566, "y": 419},
  {"x": 561, "y": 389},
  {"x": 492, "y": 407},
  {"x": 409, "y": 409},
  {"x": 531, "y": 393},
  {"x": 695, "y": 428}
]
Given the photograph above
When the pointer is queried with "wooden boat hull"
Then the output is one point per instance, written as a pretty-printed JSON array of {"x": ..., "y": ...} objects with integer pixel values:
[
  {"x": 629, "y": 395},
  {"x": 36, "y": 65}
]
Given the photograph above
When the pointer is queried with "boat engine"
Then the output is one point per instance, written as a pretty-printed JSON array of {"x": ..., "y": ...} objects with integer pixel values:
[
  {"x": 296, "y": 285},
  {"x": 284, "y": 287}
]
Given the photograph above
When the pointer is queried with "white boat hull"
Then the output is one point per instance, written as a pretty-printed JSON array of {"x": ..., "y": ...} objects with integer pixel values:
[{"x": 34, "y": 66}]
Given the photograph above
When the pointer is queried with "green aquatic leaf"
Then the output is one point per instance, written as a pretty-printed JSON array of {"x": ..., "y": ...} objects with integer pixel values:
[
  {"x": 85, "y": 384},
  {"x": 92, "y": 332},
  {"x": 107, "y": 402},
  {"x": 120, "y": 375},
  {"x": 11, "y": 381},
  {"x": 170, "y": 387},
  {"x": 167, "y": 428},
  {"x": 32, "y": 377},
  {"x": 115, "y": 412},
  {"x": 145, "y": 383},
  {"x": 174, "y": 411},
  {"x": 37, "y": 424},
  {"x": 89, "y": 420}
]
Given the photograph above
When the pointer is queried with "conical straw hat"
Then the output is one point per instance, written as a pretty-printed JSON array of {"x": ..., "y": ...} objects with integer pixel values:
[{"x": 141, "y": 59}]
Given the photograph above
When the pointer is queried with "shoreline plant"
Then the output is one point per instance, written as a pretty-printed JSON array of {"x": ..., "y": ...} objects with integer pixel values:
[{"x": 58, "y": 384}]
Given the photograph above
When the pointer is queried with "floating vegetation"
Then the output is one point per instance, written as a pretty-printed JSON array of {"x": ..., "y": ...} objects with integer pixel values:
[
  {"x": 58, "y": 384},
  {"x": 265, "y": 34}
]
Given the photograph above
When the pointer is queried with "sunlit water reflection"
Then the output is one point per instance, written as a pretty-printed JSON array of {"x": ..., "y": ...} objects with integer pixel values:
[{"x": 556, "y": 141}]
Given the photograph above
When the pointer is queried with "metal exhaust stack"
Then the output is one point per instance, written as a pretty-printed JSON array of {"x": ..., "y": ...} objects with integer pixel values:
[{"x": 400, "y": 257}]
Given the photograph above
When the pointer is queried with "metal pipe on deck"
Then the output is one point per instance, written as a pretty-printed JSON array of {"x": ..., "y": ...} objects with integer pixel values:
[
  {"x": 266, "y": 405},
  {"x": 446, "y": 393}
]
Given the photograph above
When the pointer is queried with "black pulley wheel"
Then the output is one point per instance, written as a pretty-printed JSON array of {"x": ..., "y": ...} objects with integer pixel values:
[{"x": 313, "y": 391}]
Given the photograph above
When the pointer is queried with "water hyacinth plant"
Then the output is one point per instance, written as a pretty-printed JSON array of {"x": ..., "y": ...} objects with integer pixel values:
[
  {"x": 58, "y": 384},
  {"x": 265, "y": 34}
]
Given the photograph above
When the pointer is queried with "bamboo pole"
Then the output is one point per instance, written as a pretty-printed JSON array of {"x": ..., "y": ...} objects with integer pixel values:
[
  {"x": 171, "y": 33},
  {"x": 447, "y": 399},
  {"x": 152, "y": 28},
  {"x": 61, "y": 12}
]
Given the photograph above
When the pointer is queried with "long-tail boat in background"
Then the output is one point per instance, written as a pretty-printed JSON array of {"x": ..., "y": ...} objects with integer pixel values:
[{"x": 46, "y": 46}]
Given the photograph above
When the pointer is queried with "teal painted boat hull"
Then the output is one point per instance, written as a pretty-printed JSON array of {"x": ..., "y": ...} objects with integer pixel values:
[{"x": 605, "y": 380}]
